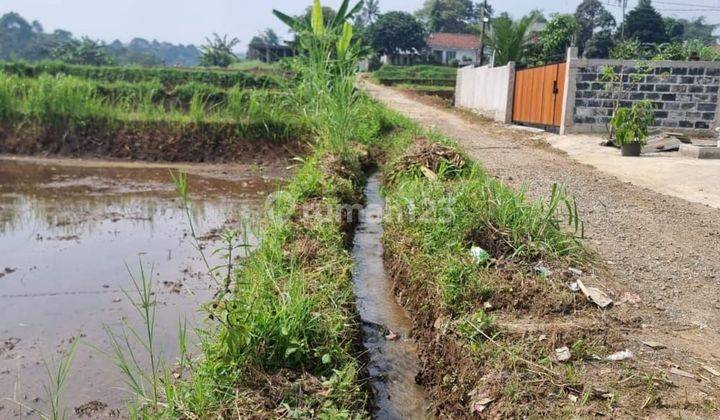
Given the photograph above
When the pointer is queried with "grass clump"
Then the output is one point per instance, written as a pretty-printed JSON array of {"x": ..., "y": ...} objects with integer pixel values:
[
  {"x": 8, "y": 98},
  {"x": 63, "y": 101}
]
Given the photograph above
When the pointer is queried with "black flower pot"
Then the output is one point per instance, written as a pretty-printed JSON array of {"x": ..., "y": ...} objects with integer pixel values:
[{"x": 631, "y": 149}]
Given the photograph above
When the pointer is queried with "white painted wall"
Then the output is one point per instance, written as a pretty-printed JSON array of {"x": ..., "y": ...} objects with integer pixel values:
[
  {"x": 460, "y": 55},
  {"x": 486, "y": 90}
]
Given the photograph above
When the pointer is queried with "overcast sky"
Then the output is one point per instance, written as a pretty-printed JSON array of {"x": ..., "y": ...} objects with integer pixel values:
[{"x": 190, "y": 21}]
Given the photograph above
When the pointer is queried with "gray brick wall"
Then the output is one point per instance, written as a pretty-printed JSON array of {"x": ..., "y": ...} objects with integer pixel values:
[{"x": 685, "y": 94}]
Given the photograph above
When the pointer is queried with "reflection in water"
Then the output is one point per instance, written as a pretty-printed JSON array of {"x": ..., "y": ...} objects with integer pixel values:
[{"x": 66, "y": 235}]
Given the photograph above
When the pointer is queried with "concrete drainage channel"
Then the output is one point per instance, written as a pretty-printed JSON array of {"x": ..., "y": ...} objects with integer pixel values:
[{"x": 393, "y": 358}]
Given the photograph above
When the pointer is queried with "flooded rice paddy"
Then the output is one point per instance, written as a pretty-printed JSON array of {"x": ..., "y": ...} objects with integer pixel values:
[{"x": 70, "y": 230}]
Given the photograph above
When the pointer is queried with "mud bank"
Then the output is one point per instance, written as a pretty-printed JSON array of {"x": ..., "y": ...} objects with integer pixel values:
[
  {"x": 71, "y": 232},
  {"x": 258, "y": 143}
]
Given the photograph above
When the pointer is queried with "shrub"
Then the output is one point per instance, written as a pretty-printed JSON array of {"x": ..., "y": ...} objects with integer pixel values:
[{"x": 631, "y": 124}]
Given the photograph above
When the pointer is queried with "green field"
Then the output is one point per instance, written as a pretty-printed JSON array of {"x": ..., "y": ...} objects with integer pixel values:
[
  {"x": 170, "y": 114},
  {"x": 166, "y": 76},
  {"x": 416, "y": 75}
]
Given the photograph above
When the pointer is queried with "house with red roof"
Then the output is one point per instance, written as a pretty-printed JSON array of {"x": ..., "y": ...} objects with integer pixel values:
[
  {"x": 443, "y": 48},
  {"x": 446, "y": 47}
]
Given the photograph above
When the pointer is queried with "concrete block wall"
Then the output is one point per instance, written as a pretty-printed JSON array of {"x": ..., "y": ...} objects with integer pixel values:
[
  {"x": 685, "y": 94},
  {"x": 487, "y": 91}
]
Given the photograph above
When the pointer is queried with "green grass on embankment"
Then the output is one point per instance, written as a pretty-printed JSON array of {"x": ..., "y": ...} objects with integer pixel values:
[
  {"x": 288, "y": 336},
  {"x": 58, "y": 99},
  {"x": 488, "y": 323},
  {"x": 426, "y": 75},
  {"x": 166, "y": 76},
  {"x": 47, "y": 113}
]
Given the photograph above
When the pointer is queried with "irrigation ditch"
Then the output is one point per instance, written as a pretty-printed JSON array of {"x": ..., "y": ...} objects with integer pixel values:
[
  {"x": 427, "y": 288},
  {"x": 326, "y": 320}
]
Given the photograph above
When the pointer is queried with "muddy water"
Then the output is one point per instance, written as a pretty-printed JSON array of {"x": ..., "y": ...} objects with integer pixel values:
[
  {"x": 67, "y": 231},
  {"x": 386, "y": 327}
]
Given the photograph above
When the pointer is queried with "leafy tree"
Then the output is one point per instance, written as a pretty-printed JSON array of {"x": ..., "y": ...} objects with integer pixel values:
[
  {"x": 645, "y": 24},
  {"x": 600, "y": 45},
  {"x": 394, "y": 32},
  {"x": 557, "y": 36},
  {"x": 592, "y": 18},
  {"x": 37, "y": 27},
  {"x": 510, "y": 39},
  {"x": 449, "y": 15},
  {"x": 681, "y": 30},
  {"x": 16, "y": 36},
  {"x": 218, "y": 52},
  {"x": 266, "y": 37},
  {"x": 674, "y": 29},
  {"x": 62, "y": 35},
  {"x": 631, "y": 49},
  {"x": 327, "y": 24},
  {"x": 85, "y": 51},
  {"x": 270, "y": 37}
]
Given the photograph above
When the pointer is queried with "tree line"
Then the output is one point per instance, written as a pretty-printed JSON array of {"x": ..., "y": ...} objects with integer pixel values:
[
  {"x": 535, "y": 38},
  {"x": 23, "y": 40}
]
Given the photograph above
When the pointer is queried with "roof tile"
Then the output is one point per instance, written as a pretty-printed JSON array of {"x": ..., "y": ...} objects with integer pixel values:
[{"x": 453, "y": 41}]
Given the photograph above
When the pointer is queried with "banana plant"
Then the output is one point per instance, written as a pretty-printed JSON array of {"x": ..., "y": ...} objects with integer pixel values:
[{"x": 317, "y": 25}]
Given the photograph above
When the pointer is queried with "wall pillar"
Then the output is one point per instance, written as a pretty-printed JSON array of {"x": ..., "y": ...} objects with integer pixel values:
[
  {"x": 510, "y": 93},
  {"x": 568, "y": 107}
]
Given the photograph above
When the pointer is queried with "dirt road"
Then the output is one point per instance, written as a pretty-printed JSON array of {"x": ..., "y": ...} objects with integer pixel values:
[{"x": 662, "y": 248}]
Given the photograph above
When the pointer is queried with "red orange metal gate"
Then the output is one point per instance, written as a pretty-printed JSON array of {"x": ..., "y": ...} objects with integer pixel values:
[{"x": 539, "y": 96}]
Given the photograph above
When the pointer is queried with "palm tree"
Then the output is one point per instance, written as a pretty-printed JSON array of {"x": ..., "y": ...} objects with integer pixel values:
[
  {"x": 509, "y": 39},
  {"x": 369, "y": 12}
]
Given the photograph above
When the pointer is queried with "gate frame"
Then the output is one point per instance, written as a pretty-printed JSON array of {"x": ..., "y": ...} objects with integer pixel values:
[
  {"x": 560, "y": 128},
  {"x": 570, "y": 88}
]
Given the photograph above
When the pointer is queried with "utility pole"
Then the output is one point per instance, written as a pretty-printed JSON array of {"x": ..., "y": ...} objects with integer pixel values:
[
  {"x": 482, "y": 31},
  {"x": 622, "y": 28}
]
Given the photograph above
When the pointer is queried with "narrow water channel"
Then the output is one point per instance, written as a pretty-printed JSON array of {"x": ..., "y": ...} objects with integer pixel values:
[{"x": 386, "y": 327}]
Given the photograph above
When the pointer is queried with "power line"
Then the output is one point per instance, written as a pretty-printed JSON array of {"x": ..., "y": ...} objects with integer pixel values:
[
  {"x": 695, "y": 7},
  {"x": 674, "y": 3},
  {"x": 688, "y": 10}
]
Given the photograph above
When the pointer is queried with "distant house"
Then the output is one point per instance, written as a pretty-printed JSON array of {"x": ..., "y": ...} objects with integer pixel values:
[
  {"x": 269, "y": 53},
  {"x": 446, "y": 47},
  {"x": 443, "y": 48}
]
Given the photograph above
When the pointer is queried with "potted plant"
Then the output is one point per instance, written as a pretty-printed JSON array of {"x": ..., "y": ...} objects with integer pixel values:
[{"x": 631, "y": 127}]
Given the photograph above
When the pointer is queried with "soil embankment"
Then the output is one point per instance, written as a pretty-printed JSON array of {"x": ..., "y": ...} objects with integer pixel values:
[{"x": 157, "y": 141}]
